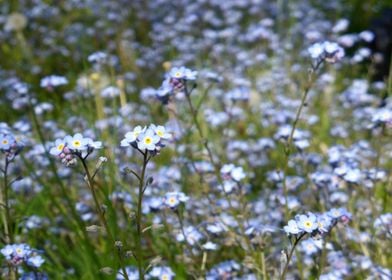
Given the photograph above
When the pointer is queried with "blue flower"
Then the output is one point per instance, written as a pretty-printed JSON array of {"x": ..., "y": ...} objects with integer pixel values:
[
  {"x": 161, "y": 273},
  {"x": 130, "y": 137},
  {"x": 53, "y": 81},
  {"x": 35, "y": 261},
  {"x": 77, "y": 142},
  {"x": 148, "y": 140},
  {"x": 309, "y": 246},
  {"x": 173, "y": 199},
  {"x": 6, "y": 141},
  {"x": 339, "y": 213},
  {"x": 324, "y": 223},
  {"x": 292, "y": 228},
  {"x": 132, "y": 272},
  {"x": 16, "y": 254},
  {"x": 307, "y": 223},
  {"x": 182, "y": 73},
  {"x": 328, "y": 51},
  {"x": 192, "y": 236}
]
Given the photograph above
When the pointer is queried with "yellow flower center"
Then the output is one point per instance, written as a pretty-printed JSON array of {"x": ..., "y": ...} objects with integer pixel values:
[
  {"x": 5, "y": 142},
  {"x": 159, "y": 133},
  {"x": 165, "y": 277},
  {"x": 148, "y": 140},
  {"x": 19, "y": 250},
  {"x": 60, "y": 147},
  {"x": 77, "y": 143},
  {"x": 177, "y": 74},
  {"x": 172, "y": 200},
  {"x": 308, "y": 224}
]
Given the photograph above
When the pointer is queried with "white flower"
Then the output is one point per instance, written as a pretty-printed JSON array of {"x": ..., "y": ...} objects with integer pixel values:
[
  {"x": 7, "y": 251},
  {"x": 233, "y": 172},
  {"x": 182, "y": 73},
  {"x": 94, "y": 144},
  {"x": 316, "y": 50},
  {"x": 160, "y": 131},
  {"x": 98, "y": 57},
  {"x": 76, "y": 142},
  {"x": 173, "y": 199},
  {"x": 21, "y": 250},
  {"x": 148, "y": 140},
  {"x": 307, "y": 223},
  {"x": 210, "y": 246},
  {"x": 330, "y": 51},
  {"x": 58, "y": 148},
  {"x": 309, "y": 246},
  {"x": 292, "y": 227},
  {"x": 130, "y": 137},
  {"x": 53, "y": 81},
  {"x": 110, "y": 92},
  {"x": 35, "y": 261},
  {"x": 237, "y": 173},
  {"x": 162, "y": 273}
]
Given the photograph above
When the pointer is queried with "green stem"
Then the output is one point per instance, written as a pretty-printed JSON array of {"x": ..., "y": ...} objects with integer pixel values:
[
  {"x": 8, "y": 236},
  {"x": 5, "y": 204},
  {"x": 139, "y": 249},
  {"x": 289, "y": 256},
  {"x": 287, "y": 149},
  {"x": 102, "y": 218}
]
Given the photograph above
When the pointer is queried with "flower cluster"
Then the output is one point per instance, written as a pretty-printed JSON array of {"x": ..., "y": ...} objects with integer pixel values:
[
  {"x": 17, "y": 254},
  {"x": 328, "y": 51},
  {"x": 71, "y": 146},
  {"x": 10, "y": 145},
  {"x": 315, "y": 224},
  {"x": 174, "y": 82},
  {"x": 146, "y": 138}
]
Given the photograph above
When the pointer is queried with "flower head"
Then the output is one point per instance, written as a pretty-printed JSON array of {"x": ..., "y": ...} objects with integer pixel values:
[
  {"x": 173, "y": 199},
  {"x": 182, "y": 73},
  {"x": 146, "y": 139},
  {"x": 71, "y": 147},
  {"x": 10, "y": 145},
  {"x": 16, "y": 254},
  {"x": 292, "y": 228},
  {"x": 130, "y": 137},
  {"x": 328, "y": 51},
  {"x": 162, "y": 273},
  {"x": 50, "y": 82},
  {"x": 307, "y": 223}
]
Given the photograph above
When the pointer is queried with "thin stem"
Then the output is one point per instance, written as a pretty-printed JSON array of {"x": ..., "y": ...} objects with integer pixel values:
[
  {"x": 8, "y": 236},
  {"x": 199, "y": 128},
  {"x": 5, "y": 204},
  {"x": 139, "y": 249},
  {"x": 289, "y": 256},
  {"x": 287, "y": 148},
  {"x": 101, "y": 214}
]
